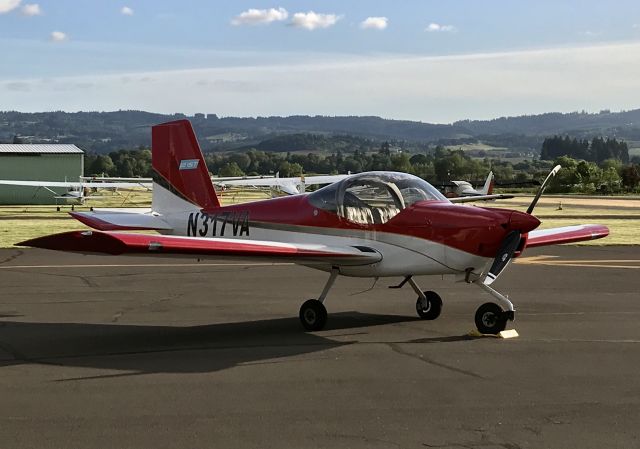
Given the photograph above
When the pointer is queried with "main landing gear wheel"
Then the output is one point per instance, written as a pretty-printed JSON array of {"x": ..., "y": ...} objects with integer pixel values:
[
  {"x": 490, "y": 318},
  {"x": 430, "y": 308},
  {"x": 313, "y": 315}
]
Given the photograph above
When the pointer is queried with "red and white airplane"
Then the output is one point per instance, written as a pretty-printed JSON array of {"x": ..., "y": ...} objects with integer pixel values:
[{"x": 374, "y": 224}]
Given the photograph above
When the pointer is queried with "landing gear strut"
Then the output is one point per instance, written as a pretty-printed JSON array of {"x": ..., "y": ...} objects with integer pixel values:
[
  {"x": 428, "y": 305},
  {"x": 313, "y": 313}
]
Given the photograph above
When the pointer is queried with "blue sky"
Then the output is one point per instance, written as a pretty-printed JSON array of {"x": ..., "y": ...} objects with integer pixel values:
[{"x": 435, "y": 61}]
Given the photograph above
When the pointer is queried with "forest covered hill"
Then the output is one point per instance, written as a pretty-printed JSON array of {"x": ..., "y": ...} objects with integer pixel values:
[{"x": 102, "y": 132}]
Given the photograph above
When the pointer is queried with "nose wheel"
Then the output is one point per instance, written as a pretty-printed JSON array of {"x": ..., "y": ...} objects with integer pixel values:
[{"x": 490, "y": 318}]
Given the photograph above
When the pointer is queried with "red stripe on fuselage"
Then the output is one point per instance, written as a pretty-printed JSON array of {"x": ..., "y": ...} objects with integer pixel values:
[{"x": 475, "y": 230}]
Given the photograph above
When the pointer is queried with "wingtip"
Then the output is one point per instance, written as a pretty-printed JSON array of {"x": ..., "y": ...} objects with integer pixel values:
[
  {"x": 52, "y": 241},
  {"x": 77, "y": 241},
  {"x": 599, "y": 232}
]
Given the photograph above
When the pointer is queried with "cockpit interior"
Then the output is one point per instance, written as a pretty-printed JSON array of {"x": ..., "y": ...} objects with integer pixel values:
[{"x": 374, "y": 197}]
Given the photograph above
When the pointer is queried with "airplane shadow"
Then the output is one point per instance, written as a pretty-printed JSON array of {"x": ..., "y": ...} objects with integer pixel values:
[{"x": 142, "y": 349}]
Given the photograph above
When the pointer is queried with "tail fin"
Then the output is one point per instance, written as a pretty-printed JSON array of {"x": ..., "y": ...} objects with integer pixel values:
[
  {"x": 488, "y": 185},
  {"x": 180, "y": 176}
]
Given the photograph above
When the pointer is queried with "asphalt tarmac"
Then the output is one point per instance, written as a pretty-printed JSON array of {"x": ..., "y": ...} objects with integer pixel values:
[{"x": 124, "y": 352}]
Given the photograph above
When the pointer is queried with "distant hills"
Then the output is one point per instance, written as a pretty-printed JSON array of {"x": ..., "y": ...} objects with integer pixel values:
[
  {"x": 625, "y": 123},
  {"x": 108, "y": 131}
]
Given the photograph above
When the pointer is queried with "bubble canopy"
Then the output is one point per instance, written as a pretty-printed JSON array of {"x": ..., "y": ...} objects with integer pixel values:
[{"x": 374, "y": 197}]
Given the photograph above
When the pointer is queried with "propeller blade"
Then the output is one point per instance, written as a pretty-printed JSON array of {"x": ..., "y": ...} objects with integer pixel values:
[
  {"x": 509, "y": 246},
  {"x": 542, "y": 187}
]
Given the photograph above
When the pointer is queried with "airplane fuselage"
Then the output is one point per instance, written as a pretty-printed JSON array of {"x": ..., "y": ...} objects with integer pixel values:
[{"x": 430, "y": 237}]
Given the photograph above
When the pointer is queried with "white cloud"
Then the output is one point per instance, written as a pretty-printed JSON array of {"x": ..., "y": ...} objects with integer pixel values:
[
  {"x": 260, "y": 16},
  {"x": 58, "y": 36},
  {"x": 18, "y": 86},
  {"x": 126, "y": 11},
  {"x": 31, "y": 9},
  {"x": 635, "y": 25},
  {"x": 374, "y": 23},
  {"x": 436, "y": 27},
  {"x": 8, "y": 5},
  {"x": 312, "y": 20}
]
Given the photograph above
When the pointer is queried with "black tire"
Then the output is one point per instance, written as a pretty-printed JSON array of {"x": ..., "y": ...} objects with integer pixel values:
[
  {"x": 490, "y": 318},
  {"x": 431, "y": 310},
  {"x": 313, "y": 315}
]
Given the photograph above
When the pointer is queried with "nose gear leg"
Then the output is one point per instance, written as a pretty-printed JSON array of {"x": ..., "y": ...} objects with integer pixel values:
[
  {"x": 502, "y": 300},
  {"x": 491, "y": 318}
]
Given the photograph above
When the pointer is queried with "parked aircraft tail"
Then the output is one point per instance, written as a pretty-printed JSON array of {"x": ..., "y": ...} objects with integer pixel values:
[
  {"x": 181, "y": 182},
  {"x": 487, "y": 189},
  {"x": 180, "y": 176}
]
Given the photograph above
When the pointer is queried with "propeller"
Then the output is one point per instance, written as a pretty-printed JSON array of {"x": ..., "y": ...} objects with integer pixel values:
[
  {"x": 508, "y": 247},
  {"x": 551, "y": 174},
  {"x": 512, "y": 240}
]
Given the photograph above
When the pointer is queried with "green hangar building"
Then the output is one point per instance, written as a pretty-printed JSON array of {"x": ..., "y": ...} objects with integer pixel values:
[{"x": 38, "y": 162}]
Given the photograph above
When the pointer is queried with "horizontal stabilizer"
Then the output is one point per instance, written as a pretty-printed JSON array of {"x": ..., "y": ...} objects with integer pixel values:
[
  {"x": 129, "y": 243},
  {"x": 120, "y": 221},
  {"x": 566, "y": 234}
]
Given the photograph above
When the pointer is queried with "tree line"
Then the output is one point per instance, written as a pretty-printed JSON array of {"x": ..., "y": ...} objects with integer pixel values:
[
  {"x": 598, "y": 150},
  {"x": 437, "y": 165}
]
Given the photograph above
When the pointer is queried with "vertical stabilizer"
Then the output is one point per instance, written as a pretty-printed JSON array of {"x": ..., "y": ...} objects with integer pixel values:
[
  {"x": 488, "y": 185},
  {"x": 180, "y": 176}
]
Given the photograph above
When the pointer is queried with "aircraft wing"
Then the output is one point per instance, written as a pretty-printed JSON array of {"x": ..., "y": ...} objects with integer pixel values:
[
  {"x": 129, "y": 243},
  {"x": 566, "y": 234},
  {"x": 323, "y": 179},
  {"x": 468, "y": 199},
  {"x": 280, "y": 182},
  {"x": 76, "y": 185},
  {"x": 115, "y": 179},
  {"x": 117, "y": 185},
  {"x": 68, "y": 185},
  {"x": 267, "y": 182},
  {"x": 287, "y": 185},
  {"x": 218, "y": 179}
]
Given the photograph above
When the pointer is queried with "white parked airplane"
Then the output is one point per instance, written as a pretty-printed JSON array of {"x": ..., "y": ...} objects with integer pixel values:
[
  {"x": 464, "y": 192},
  {"x": 290, "y": 186},
  {"x": 76, "y": 191}
]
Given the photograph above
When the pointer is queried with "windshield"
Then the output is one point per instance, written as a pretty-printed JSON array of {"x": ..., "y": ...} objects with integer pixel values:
[{"x": 374, "y": 197}]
